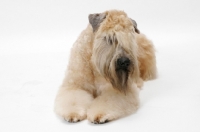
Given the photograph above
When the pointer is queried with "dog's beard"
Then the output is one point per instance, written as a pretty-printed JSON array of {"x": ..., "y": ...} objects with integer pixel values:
[{"x": 121, "y": 80}]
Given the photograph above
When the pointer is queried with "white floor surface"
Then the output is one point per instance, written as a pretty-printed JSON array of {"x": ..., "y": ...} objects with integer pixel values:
[{"x": 29, "y": 80}]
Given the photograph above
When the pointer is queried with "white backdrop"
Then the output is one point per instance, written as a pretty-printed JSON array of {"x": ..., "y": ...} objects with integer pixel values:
[
  {"x": 49, "y": 25},
  {"x": 35, "y": 40}
]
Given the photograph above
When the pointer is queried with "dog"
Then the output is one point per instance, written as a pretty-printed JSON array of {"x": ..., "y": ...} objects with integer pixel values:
[{"x": 108, "y": 64}]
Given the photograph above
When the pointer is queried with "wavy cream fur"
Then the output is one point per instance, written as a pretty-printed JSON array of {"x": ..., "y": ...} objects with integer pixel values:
[{"x": 90, "y": 88}]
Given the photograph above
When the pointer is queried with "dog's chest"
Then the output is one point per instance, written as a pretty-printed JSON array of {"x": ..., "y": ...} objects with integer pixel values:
[{"x": 101, "y": 84}]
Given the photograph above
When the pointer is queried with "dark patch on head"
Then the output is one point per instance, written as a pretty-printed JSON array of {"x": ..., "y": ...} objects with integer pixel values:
[
  {"x": 96, "y": 19},
  {"x": 135, "y": 26}
]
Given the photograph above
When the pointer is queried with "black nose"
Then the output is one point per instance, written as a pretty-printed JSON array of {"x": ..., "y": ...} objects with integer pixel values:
[{"x": 123, "y": 63}]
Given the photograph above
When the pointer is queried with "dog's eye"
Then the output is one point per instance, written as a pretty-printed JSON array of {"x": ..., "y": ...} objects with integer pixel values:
[
  {"x": 116, "y": 42},
  {"x": 110, "y": 40}
]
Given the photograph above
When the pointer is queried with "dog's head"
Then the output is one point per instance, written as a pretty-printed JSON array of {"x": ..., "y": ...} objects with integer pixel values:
[{"x": 114, "y": 48}]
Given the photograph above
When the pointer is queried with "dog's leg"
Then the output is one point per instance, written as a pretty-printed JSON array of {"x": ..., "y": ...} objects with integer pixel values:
[
  {"x": 76, "y": 92},
  {"x": 72, "y": 104},
  {"x": 112, "y": 104},
  {"x": 140, "y": 83}
]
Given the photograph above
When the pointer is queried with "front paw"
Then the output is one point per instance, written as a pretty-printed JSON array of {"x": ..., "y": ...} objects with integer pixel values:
[
  {"x": 71, "y": 113},
  {"x": 72, "y": 105},
  {"x": 99, "y": 118},
  {"x": 74, "y": 117},
  {"x": 112, "y": 105}
]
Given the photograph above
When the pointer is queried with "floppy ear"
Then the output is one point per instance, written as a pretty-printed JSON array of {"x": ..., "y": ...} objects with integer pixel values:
[
  {"x": 135, "y": 26},
  {"x": 96, "y": 19}
]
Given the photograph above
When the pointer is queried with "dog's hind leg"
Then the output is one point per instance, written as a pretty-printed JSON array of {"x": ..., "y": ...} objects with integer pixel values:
[{"x": 146, "y": 58}]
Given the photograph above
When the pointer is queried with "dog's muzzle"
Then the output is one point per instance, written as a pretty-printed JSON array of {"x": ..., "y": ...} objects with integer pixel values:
[{"x": 123, "y": 63}]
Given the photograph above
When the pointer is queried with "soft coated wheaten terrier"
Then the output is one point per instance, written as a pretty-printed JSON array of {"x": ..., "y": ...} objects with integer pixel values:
[{"x": 108, "y": 64}]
